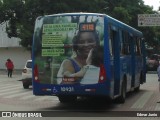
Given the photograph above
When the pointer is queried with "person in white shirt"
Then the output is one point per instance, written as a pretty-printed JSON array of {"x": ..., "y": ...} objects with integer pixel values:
[{"x": 158, "y": 72}]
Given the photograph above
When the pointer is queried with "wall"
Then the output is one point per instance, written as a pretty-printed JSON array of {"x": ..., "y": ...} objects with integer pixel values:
[
  {"x": 10, "y": 48},
  {"x": 18, "y": 55}
]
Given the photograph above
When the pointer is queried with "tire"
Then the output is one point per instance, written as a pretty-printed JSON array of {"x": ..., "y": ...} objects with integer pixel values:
[
  {"x": 122, "y": 97},
  {"x": 25, "y": 86},
  {"x": 137, "y": 89},
  {"x": 140, "y": 82},
  {"x": 67, "y": 99}
]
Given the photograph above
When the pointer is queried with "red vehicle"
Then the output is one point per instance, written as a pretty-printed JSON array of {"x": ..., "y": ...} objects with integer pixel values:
[{"x": 153, "y": 62}]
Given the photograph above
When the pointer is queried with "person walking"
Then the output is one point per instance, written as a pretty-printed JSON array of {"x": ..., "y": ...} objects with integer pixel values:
[
  {"x": 158, "y": 72},
  {"x": 10, "y": 66}
]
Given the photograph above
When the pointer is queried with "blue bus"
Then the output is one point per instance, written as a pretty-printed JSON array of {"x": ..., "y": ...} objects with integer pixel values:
[{"x": 88, "y": 55}]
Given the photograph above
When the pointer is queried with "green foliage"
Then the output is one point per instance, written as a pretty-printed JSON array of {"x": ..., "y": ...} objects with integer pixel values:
[
  {"x": 121, "y": 14},
  {"x": 21, "y": 14}
]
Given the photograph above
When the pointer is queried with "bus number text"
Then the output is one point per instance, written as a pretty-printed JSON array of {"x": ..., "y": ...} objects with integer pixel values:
[{"x": 67, "y": 89}]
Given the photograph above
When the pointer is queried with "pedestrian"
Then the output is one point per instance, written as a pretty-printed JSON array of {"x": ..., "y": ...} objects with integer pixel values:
[
  {"x": 158, "y": 72},
  {"x": 10, "y": 66}
]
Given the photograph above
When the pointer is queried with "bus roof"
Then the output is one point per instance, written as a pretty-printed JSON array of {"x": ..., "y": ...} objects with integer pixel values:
[
  {"x": 124, "y": 26},
  {"x": 109, "y": 18}
]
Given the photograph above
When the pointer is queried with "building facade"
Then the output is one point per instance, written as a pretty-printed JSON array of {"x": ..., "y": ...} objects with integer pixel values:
[{"x": 10, "y": 48}]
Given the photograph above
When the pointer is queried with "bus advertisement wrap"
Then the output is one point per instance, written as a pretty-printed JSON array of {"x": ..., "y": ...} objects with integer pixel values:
[
  {"x": 86, "y": 54},
  {"x": 69, "y": 49}
]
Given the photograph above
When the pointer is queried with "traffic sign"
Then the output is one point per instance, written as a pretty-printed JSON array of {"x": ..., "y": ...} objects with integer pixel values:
[{"x": 148, "y": 20}]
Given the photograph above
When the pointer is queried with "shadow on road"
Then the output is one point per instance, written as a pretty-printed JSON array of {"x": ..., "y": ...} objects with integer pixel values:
[{"x": 94, "y": 105}]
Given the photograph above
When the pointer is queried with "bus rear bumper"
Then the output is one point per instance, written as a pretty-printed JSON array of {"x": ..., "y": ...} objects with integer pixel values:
[{"x": 77, "y": 90}]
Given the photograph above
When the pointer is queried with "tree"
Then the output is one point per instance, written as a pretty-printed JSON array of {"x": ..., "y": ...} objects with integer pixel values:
[{"x": 21, "y": 14}]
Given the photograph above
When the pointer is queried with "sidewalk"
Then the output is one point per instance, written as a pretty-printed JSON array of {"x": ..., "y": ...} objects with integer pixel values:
[
  {"x": 15, "y": 72},
  {"x": 15, "y": 76}
]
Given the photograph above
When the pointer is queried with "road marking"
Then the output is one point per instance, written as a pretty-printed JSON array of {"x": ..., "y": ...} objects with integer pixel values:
[
  {"x": 142, "y": 100},
  {"x": 8, "y": 89},
  {"x": 10, "y": 92},
  {"x": 18, "y": 94},
  {"x": 8, "y": 86}
]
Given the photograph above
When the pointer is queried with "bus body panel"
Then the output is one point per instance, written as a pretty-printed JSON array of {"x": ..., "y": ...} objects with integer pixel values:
[{"x": 47, "y": 53}]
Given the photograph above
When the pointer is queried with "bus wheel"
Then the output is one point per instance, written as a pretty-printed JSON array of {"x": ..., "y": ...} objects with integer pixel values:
[
  {"x": 122, "y": 97},
  {"x": 67, "y": 99},
  {"x": 136, "y": 89}
]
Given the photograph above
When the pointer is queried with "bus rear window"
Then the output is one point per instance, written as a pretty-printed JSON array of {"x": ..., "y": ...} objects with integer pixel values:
[
  {"x": 63, "y": 44},
  {"x": 29, "y": 65}
]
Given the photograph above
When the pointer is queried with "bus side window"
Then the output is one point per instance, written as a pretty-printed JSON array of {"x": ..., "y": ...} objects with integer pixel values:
[
  {"x": 125, "y": 46},
  {"x": 111, "y": 42},
  {"x": 138, "y": 50}
]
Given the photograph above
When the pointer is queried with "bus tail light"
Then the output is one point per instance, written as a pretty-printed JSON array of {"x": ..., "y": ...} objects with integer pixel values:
[
  {"x": 36, "y": 73},
  {"x": 46, "y": 89},
  {"x": 102, "y": 74}
]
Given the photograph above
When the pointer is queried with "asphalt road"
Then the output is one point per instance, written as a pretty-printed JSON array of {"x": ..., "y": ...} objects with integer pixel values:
[{"x": 14, "y": 98}]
